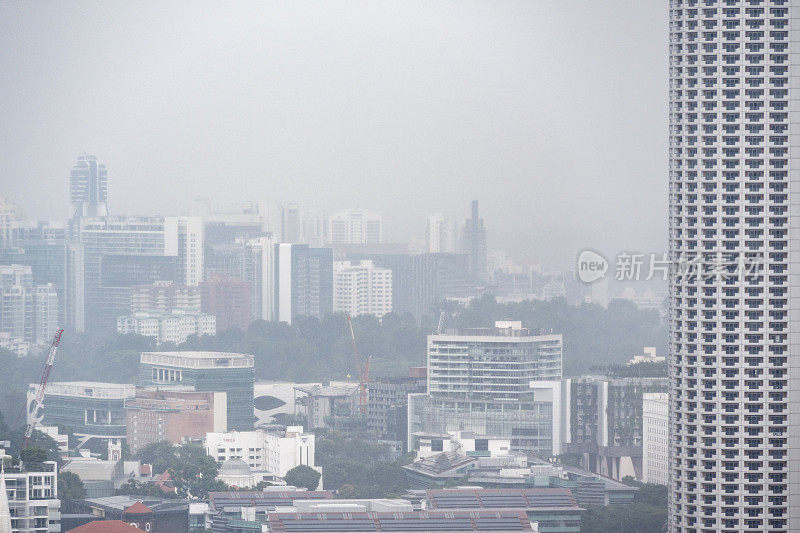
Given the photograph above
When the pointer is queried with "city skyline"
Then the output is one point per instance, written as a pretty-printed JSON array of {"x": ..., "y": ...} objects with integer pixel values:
[{"x": 286, "y": 106}]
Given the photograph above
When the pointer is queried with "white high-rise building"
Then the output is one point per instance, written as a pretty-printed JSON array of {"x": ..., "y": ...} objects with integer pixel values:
[
  {"x": 8, "y": 215},
  {"x": 655, "y": 437},
  {"x": 361, "y": 289},
  {"x": 734, "y": 320},
  {"x": 45, "y": 306},
  {"x": 442, "y": 235},
  {"x": 356, "y": 226}
]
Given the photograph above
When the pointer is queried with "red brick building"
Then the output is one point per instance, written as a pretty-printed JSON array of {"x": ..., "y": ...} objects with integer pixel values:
[
  {"x": 172, "y": 415},
  {"x": 228, "y": 299}
]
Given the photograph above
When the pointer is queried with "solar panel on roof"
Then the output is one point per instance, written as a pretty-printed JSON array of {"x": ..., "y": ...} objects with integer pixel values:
[
  {"x": 426, "y": 524},
  {"x": 498, "y": 524}
]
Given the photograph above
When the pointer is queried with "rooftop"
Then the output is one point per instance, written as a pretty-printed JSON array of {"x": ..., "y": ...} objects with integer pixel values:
[
  {"x": 106, "y": 526},
  {"x": 190, "y": 359},
  {"x": 88, "y": 389},
  {"x": 441, "y": 464},
  {"x": 506, "y": 520},
  {"x": 533, "y": 498}
]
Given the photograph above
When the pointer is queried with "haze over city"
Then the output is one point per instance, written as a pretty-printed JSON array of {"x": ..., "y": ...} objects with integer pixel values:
[{"x": 556, "y": 123}]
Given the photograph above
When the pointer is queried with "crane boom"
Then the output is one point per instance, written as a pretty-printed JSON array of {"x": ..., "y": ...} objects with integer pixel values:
[
  {"x": 363, "y": 371},
  {"x": 37, "y": 405}
]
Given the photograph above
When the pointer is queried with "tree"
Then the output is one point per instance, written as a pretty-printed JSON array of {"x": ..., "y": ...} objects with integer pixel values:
[
  {"x": 33, "y": 457},
  {"x": 70, "y": 486},
  {"x": 303, "y": 476}
]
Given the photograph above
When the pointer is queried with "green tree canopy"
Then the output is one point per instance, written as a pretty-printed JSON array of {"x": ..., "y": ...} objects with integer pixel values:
[
  {"x": 70, "y": 486},
  {"x": 303, "y": 476}
]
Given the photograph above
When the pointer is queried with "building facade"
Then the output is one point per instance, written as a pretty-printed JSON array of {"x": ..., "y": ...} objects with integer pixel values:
[
  {"x": 94, "y": 411},
  {"x": 174, "y": 327},
  {"x": 109, "y": 255},
  {"x": 167, "y": 414},
  {"x": 734, "y": 449},
  {"x": 387, "y": 408},
  {"x": 361, "y": 289},
  {"x": 482, "y": 380},
  {"x": 29, "y": 314},
  {"x": 227, "y": 299},
  {"x": 655, "y": 438},
  {"x": 475, "y": 246},
  {"x": 303, "y": 282},
  {"x": 88, "y": 187},
  {"x": 164, "y": 296},
  {"x": 264, "y": 451},
  {"x": 356, "y": 226},
  {"x": 231, "y": 373},
  {"x": 33, "y": 499}
]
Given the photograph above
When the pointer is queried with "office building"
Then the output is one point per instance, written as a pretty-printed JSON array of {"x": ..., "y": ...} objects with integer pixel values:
[
  {"x": 94, "y": 411},
  {"x": 227, "y": 299},
  {"x": 464, "y": 442},
  {"x": 442, "y": 235},
  {"x": 42, "y": 246},
  {"x": 46, "y": 319},
  {"x": 420, "y": 281},
  {"x": 174, "y": 327},
  {"x": 230, "y": 373},
  {"x": 167, "y": 414},
  {"x": 603, "y": 422},
  {"x": 31, "y": 496},
  {"x": 356, "y": 226},
  {"x": 733, "y": 399},
  {"x": 110, "y": 255},
  {"x": 251, "y": 260},
  {"x": 387, "y": 407},
  {"x": 361, "y": 289},
  {"x": 655, "y": 438},
  {"x": 88, "y": 187},
  {"x": 501, "y": 381},
  {"x": 272, "y": 451},
  {"x": 475, "y": 246},
  {"x": 303, "y": 281},
  {"x": 17, "y": 302},
  {"x": 164, "y": 296}
]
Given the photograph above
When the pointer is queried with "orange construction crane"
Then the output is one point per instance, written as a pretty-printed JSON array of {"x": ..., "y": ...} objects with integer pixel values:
[
  {"x": 363, "y": 371},
  {"x": 37, "y": 405}
]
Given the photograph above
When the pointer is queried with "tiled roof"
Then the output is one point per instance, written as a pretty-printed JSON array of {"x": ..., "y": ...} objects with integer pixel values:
[
  {"x": 138, "y": 508},
  {"x": 106, "y": 526}
]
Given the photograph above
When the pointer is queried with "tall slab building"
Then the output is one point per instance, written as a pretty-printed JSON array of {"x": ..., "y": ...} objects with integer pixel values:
[{"x": 734, "y": 308}]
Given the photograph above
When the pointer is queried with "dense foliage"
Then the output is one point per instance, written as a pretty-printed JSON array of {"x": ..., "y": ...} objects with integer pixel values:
[
  {"x": 647, "y": 514},
  {"x": 356, "y": 468},
  {"x": 193, "y": 472},
  {"x": 319, "y": 350},
  {"x": 303, "y": 476},
  {"x": 70, "y": 486}
]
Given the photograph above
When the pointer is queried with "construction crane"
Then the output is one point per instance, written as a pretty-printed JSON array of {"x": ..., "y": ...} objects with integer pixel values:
[
  {"x": 37, "y": 403},
  {"x": 363, "y": 371}
]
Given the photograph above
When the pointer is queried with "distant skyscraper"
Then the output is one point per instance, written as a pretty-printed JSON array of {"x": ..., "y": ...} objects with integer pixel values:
[
  {"x": 88, "y": 188},
  {"x": 442, "y": 235},
  {"x": 356, "y": 226},
  {"x": 475, "y": 245},
  {"x": 303, "y": 281},
  {"x": 734, "y": 314}
]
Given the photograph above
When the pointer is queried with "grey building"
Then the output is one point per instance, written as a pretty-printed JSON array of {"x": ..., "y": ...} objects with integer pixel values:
[
  {"x": 303, "y": 281},
  {"x": 88, "y": 187},
  {"x": 231, "y": 373},
  {"x": 475, "y": 246}
]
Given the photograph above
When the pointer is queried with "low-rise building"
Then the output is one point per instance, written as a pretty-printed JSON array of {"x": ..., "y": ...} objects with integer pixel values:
[
  {"x": 465, "y": 442},
  {"x": 32, "y": 495},
  {"x": 174, "y": 327},
  {"x": 99, "y": 476},
  {"x": 164, "y": 296},
  {"x": 157, "y": 414},
  {"x": 324, "y": 406},
  {"x": 263, "y": 451},
  {"x": 235, "y": 512},
  {"x": 94, "y": 411},
  {"x": 655, "y": 437},
  {"x": 274, "y": 401},
  {"x": 157, "y": 515}
]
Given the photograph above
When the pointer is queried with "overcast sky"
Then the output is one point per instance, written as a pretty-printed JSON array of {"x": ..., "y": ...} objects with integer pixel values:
[{"x": 552, "y": 113}]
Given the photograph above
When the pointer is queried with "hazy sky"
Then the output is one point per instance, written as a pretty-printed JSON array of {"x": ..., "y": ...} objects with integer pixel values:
[{"x": 552, "y": 113}]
